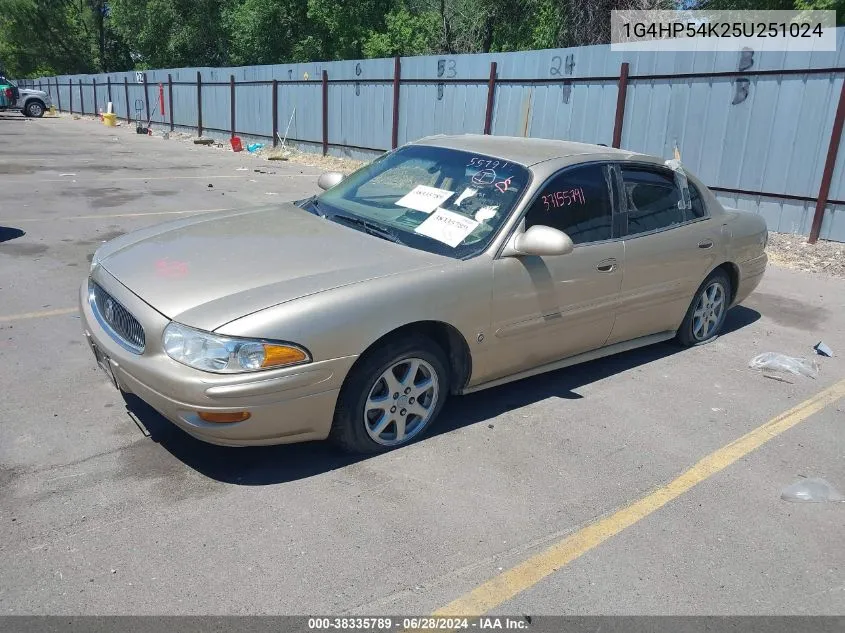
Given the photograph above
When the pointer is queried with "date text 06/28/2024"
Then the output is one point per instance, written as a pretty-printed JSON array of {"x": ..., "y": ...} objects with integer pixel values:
[{"x": 430, "y": 623}]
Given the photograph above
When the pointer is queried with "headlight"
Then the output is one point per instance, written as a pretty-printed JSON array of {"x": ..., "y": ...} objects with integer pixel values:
[{"x": 227, "y": 355}]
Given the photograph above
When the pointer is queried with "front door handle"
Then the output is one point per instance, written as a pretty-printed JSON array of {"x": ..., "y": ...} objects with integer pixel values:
[
  {"x": 705, "y": 244},
  {"x": 606, "y": 265}
]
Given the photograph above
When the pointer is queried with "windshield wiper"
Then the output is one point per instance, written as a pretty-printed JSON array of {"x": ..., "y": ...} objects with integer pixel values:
[{"x": 369, "y": 227}]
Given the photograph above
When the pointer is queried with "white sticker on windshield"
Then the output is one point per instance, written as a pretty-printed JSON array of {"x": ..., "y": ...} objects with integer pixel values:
[
  {"x": 425, "y": 199},
  {"x": 469, "y": 192},
  {"x": 447, "y": 227},
  {"x": 486, "y": 213}
]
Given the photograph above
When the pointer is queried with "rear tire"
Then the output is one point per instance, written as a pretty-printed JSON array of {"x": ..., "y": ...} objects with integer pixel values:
[
  {"x": 34, "y": 108},
  {"x": 381, "y": 406},
  {"x": 707, "y": 312}
]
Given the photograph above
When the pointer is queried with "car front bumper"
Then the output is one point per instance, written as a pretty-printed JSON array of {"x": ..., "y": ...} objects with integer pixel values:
[{"x": 286, "y": 405}]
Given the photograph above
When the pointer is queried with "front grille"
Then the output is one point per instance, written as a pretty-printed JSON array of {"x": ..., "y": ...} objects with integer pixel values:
[{"x": 119, "y": 322}]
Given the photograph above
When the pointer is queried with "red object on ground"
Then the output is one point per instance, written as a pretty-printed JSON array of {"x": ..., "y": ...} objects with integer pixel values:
[{"x": 236, "y": 144}]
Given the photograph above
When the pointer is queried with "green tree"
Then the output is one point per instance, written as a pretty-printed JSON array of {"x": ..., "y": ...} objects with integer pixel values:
[
  {"x": 263, "y": 31},
  {"x": 404, "y": 34},
  {"x": 58, "y": 36},
  {"x": 169, "y": 33}
]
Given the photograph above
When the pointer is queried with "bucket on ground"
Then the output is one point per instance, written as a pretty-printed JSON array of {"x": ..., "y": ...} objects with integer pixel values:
[
  {"x": 109, "y": 118},
  {"x": 237, "y": 146}
]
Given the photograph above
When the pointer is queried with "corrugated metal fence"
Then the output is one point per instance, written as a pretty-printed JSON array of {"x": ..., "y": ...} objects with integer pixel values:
[{"x": 759, "y": 128}]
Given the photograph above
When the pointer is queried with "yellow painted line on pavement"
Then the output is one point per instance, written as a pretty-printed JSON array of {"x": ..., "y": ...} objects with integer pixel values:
[
  {"x": 525, "y": 575},
  {"x": 116, "y": 215},
  {"x": 37, "y": 315}
]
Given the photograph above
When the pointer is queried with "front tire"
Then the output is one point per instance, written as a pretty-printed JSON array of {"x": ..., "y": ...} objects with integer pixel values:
[
  {"x": 391, "y": 397},
  {"x": 34, "y": 109},
  {"x": 707, "y": 312}
]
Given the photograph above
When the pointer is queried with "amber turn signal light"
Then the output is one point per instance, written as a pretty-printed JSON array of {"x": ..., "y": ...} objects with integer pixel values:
[
  {"x": 224, "y": 418},
  {"x": 275, "y": 355}
]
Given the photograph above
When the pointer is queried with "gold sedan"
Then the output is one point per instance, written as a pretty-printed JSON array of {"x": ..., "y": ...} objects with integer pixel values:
[{"x": 450, "y": 265}]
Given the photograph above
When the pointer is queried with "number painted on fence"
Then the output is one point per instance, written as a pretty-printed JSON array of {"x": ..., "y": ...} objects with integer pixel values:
[
  {"x": 447, "y": 67},
  {"x": 746, "y": 59},
  {"x": 741, "y": 86}
]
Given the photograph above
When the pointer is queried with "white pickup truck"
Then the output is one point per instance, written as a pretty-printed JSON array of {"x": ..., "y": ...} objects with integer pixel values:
[{"x": 31, "y": 102}]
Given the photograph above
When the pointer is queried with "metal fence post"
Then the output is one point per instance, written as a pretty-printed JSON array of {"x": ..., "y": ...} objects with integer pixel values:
[
  {"x": 81, "y": 99},
  {"x": 621, "y": 96},
  {"x": 70, "y": 94},
  {"x": 829, "y": 164},
  {"x": 170, "y": 99},
  {"x": 147, "y": 99},
  {"x": 325, "y": 112},
  {"x": 94, "y": 84},
  {"x": 58, "y": 95},
  {"x": 397, "y": 82},
  {"x": 108, "y": 89},
  {"x": 126, "y": 93},
  {"x": 232, "y": 103},
  {"x": 199, "y": 103},
  {"x": 491, "y": 95},
  {"x": 275, "y": 112}
]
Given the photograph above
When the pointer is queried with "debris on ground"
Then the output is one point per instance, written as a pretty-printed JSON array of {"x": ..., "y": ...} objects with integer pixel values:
[
  {"x": 793, "y": 251},
  {"x": 242, "y": 169},
  {"x": 822, "y": 349},
  {"x": 254, "y": 147},
  {"x": 775, "y": 362},
  {"x": 811, "y": 490},
  {"x": 203, "y": 141},
  {"x": 210, "y": 186}
]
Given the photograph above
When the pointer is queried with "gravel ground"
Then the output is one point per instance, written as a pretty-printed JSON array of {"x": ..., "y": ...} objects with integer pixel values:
[{"x": 793, "y": 251}]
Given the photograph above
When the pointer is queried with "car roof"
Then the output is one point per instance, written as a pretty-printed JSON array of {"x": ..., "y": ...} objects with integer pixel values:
[{"x": 531, "y": 151}]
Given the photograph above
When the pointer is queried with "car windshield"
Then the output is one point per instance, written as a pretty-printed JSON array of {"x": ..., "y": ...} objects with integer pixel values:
[{"x": 440, "y": 200}]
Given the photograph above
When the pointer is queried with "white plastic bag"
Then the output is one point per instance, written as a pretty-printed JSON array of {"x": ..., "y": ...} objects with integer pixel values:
[
  {"x": 813, "y": 490},
  {"x": 773, "y": 361}
]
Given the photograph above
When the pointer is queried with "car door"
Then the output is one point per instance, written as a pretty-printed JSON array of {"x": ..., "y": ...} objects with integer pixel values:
[
  {"x": 671, "y": 243},
  {"x": 548, "y": 308}
]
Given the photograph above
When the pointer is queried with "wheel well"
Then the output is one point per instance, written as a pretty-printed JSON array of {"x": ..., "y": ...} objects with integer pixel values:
[
  {"x": 448, "y": 338},
  {"x": 732, "y": 271}
]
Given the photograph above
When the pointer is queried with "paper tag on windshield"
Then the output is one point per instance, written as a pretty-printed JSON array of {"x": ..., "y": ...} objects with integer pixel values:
[
  {"x": 425, "y": 199},
  {"x": 447, "y": 227}
]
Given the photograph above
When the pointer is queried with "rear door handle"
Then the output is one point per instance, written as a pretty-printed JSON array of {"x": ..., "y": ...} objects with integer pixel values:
[
  {"x": 705, "y": 244},
  {"x": 606, "y": 265}
]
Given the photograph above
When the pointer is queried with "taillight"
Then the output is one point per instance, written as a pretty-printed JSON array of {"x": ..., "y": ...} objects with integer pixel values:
[{"x": 8, "y": 92}]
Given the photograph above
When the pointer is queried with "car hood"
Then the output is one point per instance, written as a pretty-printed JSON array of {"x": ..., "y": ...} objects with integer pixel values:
[{"x": 208, "y": 270}]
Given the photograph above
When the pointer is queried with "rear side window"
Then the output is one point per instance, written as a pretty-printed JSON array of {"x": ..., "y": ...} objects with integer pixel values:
[
  {"x": 698, "y": 209},
  {"x": 577, "y": 202},
  {"x": 652, "y": 199}
]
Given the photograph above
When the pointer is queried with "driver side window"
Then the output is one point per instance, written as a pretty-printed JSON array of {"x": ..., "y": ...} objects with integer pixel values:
[{"x": 577, "y": 202}]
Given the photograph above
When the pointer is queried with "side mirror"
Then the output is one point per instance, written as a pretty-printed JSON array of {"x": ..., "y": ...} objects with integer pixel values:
[
  {"x": 329, "y": 179},
  {"x": 541, "y": 241}
]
